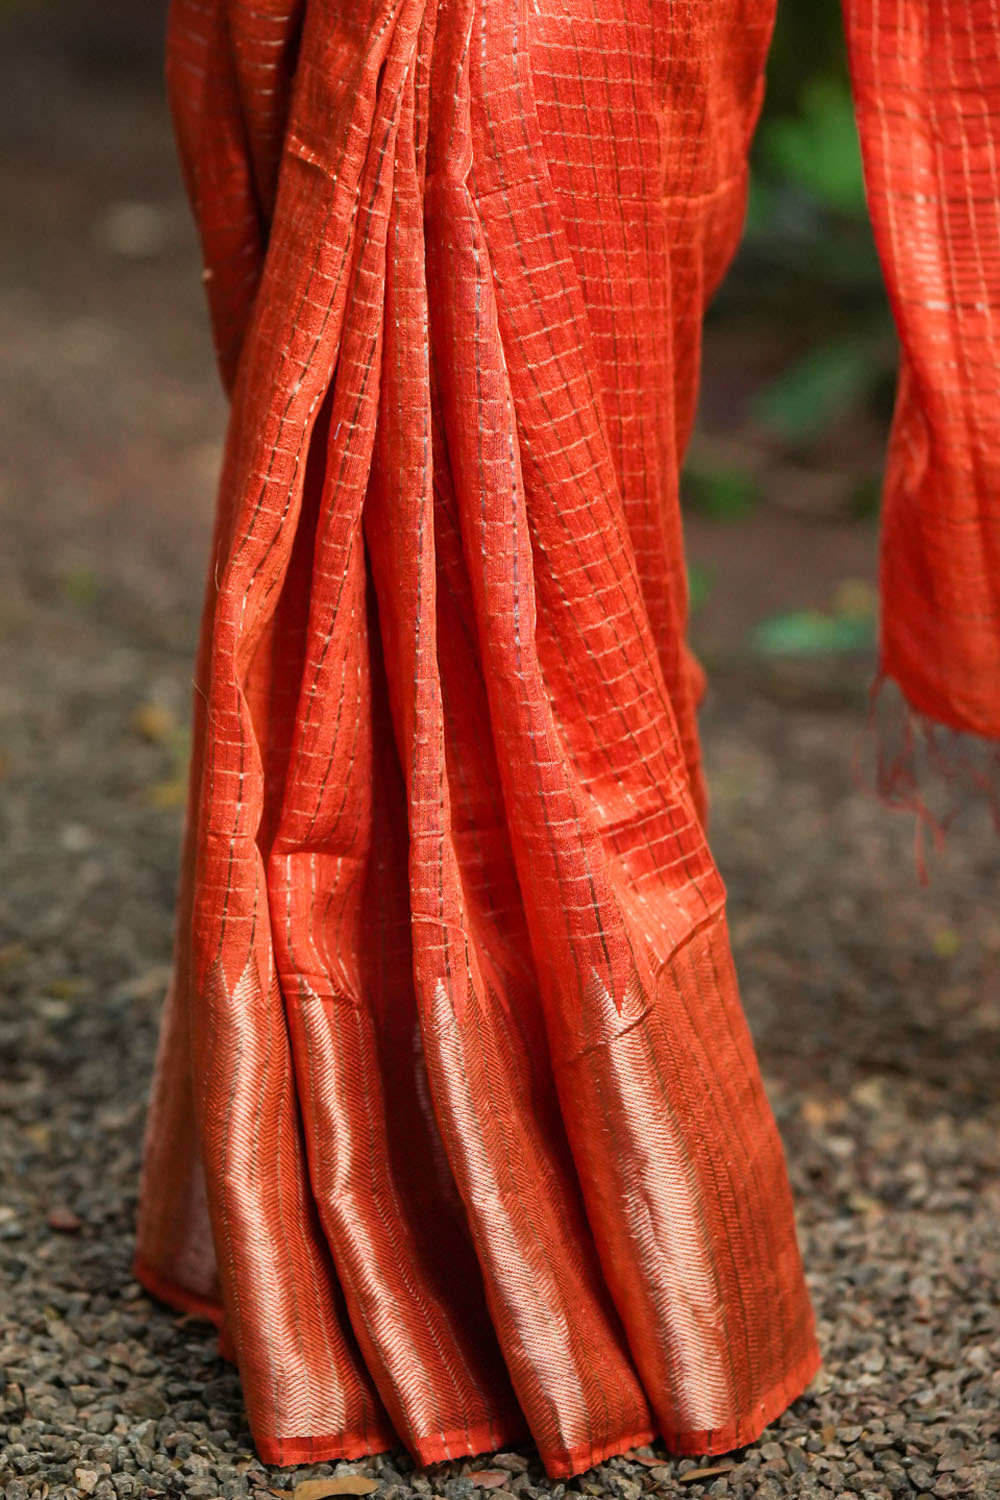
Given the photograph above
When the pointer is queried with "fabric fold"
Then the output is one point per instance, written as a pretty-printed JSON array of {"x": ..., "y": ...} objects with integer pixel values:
[
  {"x": 926, "y": 80},
  {"x": 457, "y": 1129},
  {"x": 484, "y": 1051},
  {"x": 607, "y": 912}
]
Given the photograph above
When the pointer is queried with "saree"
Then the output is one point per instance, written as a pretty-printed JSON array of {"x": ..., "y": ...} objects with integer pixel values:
[{"x": 457, "y": 1131}]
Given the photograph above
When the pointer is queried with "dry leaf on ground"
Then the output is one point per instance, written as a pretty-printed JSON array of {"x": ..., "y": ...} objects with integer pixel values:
[
  {"x": 693, "y": 1475},
  {"x": 341, "y": 1484}
]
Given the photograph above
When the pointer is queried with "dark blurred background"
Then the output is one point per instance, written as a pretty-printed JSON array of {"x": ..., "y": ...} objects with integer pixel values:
[{"x": 874, "y": 1000}]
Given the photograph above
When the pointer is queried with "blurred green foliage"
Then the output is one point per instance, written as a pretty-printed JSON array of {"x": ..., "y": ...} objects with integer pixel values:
[
  {"x": 808, "y": 244},
  {"x": 805, "y": 310},
  {"x": 719, "y": 491},
  {"x": 808, "y": 265},
  {"x": 812, "y": 633},
  {"x": 807, "y": 214},
  {"x": 824, "y": 382}
]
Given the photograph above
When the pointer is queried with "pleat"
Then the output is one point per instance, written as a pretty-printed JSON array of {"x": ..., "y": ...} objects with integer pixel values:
[
  {"x": 613, "y": 866},
  {"x": 229, "y": 71},
  {"x": 264, "y": 41},
  {"x": 412, "y": 1287},
  {"x": 306, "y": 1386},
  {"x": 491, "y": 1094},
  {"x": 176, "y": 1252}
]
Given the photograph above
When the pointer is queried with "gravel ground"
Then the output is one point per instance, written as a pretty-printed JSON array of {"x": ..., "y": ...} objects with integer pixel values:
[{"x": 875, "y": 1001}]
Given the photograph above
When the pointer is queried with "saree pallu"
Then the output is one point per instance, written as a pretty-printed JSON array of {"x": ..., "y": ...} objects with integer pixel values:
[
  {"x": 457, "y": 1130},
  {"x": 926, "y": 79}
]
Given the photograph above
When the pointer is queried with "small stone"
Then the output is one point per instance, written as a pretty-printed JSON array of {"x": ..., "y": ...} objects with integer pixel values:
[
  {"x": 146, "y": 1401},
  {"x": 63, "y": 1219},
  {"x": 796, "y": 1458},
  {"x": 514, "y": 1463}
]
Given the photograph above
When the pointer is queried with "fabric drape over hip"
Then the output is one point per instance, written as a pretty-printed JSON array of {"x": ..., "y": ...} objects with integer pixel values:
[{"x": 457, "y": 1130}]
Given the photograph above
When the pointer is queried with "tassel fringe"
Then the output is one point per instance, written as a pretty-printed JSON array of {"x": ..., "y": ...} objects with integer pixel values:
[{"x": 917, "y": 765}]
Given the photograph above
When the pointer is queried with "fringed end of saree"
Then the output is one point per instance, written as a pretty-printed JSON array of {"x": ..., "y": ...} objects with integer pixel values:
[{"x": 916, "y": 764}]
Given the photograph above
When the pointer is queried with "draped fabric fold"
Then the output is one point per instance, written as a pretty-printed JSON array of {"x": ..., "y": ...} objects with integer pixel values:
[
  {"x": 457, "y": 1129},
  {"x": 926, "y": 80}
]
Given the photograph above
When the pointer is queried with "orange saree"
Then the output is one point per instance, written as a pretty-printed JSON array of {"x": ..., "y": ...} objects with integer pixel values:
[{"x": 457, "y": 1130}]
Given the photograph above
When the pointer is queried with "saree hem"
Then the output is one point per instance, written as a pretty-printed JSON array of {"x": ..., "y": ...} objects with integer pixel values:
[
  {"x": 185, "y": 1302},
  {"x": 435, "y": 1448},
  {"x": 747, "y": 1429},
  {"x": 178, "y": 1297},
  {"x": 439, "y": 1448},
  {"x": 485, "y": 1439}
]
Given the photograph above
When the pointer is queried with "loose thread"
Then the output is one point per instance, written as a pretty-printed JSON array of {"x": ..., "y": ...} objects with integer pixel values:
[{"x": 911, "y": 754}]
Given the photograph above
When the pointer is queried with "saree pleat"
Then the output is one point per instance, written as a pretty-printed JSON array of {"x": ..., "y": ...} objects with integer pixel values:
[
  {"x": 433, "y": 1355},
  {"x": 607, "y": 805},
  {"x": 507, "y": 1152},
  {"x": 457, "y": 1128}
]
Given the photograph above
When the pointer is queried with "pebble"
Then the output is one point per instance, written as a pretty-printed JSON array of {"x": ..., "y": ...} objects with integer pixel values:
[{"x": 514, "y": 1463}]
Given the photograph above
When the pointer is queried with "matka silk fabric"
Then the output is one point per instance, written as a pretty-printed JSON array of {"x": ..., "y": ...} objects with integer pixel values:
[
  {"x": 926, "y": 77},
  {"x": 457, "y": 1130}
]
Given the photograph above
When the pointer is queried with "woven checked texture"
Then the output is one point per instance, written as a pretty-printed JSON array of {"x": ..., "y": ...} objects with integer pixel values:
[
  {"x": 457, "y": 1130},
  {"x": 926, "y": 79}
]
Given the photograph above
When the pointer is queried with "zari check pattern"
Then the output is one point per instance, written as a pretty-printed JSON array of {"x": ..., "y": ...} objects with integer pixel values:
[{"x": 457, "y": 1130}]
